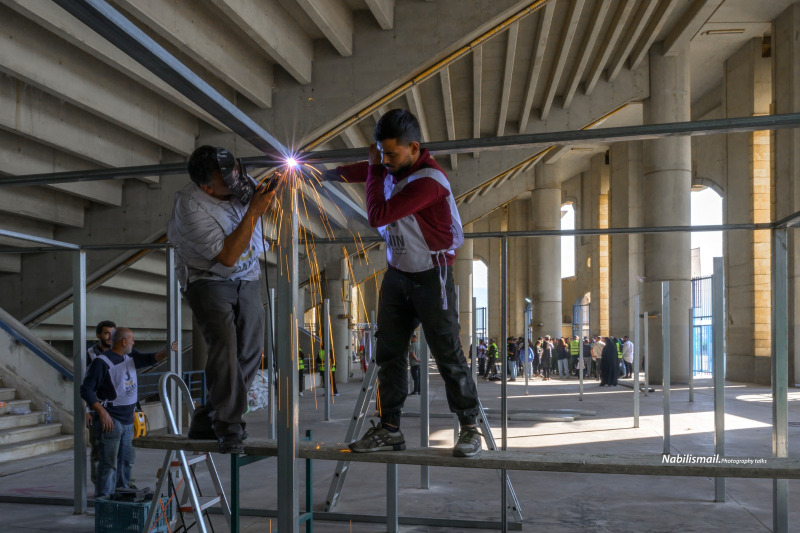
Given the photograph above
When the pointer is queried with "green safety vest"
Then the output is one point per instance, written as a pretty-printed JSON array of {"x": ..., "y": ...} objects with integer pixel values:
[
  {"x": 619, "y": 350},
  {"x": 301, "y": 364},
  {"x": 321, "y": 356},
  {"x": 574, "y": 347}
]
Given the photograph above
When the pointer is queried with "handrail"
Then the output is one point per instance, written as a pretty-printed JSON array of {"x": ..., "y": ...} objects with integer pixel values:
[
  {"x": 165, "y": 400},
  {"x": 65, "y": 372}
]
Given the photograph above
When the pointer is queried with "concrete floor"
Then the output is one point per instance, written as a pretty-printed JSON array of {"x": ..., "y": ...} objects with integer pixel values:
[{"x": 552, "y": 502}]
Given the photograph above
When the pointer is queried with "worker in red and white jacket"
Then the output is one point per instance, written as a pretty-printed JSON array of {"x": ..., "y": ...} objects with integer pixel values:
[{"x": 410, "y": 202}]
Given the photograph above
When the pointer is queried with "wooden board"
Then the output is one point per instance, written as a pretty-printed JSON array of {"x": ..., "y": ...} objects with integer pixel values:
[{"x": 646, "y": 465}]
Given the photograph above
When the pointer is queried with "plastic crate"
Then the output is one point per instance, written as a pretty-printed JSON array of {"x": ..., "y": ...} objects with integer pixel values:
[{"x": 128, "y": 517}]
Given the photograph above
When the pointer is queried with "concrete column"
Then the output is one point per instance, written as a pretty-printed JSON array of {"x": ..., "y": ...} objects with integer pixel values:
[
  {"x": 666, "y": 189},
  {"x": 625, "y": 250},
  {"x": 748, "y": 92},
  {"x": 339, "y": 330},
  {"x": 462, "y": 275},
  {"x": 546, "y": 253},
  {"x": 498, "y": 221},
  {"x": 786, "y": 90},
  {"x": 517, "y": 267},
  {"x": 597, "y": 205}
]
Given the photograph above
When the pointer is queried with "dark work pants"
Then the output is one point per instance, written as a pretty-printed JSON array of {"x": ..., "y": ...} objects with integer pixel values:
[
  {"x": 415, "y": 378},
  {"x": 406, "y": 300},
  {"x": 231, "y": 317}
]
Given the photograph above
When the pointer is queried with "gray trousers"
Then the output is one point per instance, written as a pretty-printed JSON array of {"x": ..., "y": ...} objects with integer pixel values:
[{"x": 231, "y": 318}]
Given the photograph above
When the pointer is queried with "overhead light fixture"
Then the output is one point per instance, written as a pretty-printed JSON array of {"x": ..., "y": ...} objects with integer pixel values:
[{"x": 726, "y": 31}]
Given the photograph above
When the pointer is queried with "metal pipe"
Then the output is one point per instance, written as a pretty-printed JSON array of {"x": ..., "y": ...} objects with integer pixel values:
[
  {"x": 504, "y": 382},
  {"x": 59, "y": 245},
  {"x": 270, "y": 330},
  {"x": 580, "y": 353},
  {"x": 665, "y": 355},
  {"x": 526, "y": 363},
  {"x": 691, "y": 354},
  {"x": 475, "y": 340},
  {"x": 718, "y": 341},
  {"x": 78, "y": 371},
  {"x": 172, "y": 329},
  {"x": 646, "y": 353},
  {"x": 424, "y": 407},
  {"x": 286, "y": 336},
  {"x": 327, "y": 375},
  {"x": 392, "y": 524},
  {"x": 780, "y": 375},
  {"x": 636, "y": 348}
]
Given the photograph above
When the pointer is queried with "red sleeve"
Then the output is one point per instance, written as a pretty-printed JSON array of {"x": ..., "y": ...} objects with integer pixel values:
[
  {"x": 355, "y": 173},
  {"x": 417, "y": 195}
]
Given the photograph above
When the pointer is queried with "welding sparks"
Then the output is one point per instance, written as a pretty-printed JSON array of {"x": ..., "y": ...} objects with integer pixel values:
[{"x": 291, "y": 162}]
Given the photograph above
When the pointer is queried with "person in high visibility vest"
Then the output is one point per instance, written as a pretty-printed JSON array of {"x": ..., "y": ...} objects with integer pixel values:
[
  {"x": 301, "y": 370},
  {"x": 321, "y": 367},
  {"x": 574, "y": 353}
]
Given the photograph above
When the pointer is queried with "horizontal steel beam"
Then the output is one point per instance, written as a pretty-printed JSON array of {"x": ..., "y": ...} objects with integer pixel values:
[
  {"x": 57, "y": 245},
  {"x": 121, "y": 32},
  {"x": 534, "y": 141}
]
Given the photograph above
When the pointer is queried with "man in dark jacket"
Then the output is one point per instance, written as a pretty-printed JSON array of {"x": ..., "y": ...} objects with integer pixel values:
[{"x": 409, "y": 200}]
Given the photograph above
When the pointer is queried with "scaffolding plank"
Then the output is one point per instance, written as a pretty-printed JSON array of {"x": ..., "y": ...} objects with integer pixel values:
[{"x": 517, "y": 459}]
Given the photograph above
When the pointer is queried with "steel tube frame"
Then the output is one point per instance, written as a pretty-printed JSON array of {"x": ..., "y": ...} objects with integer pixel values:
[
  {"x": 665, "y": 358},
  {"x": 691, "y": 355},
  {"x": 78, "y": 371},
  {"x": 327, "y": 375},
  {"x": 424, "y": 407},
  {"x": 527, "y": 322},
  {"x": 636, "y": 348},
  {"x": 646, "y": 354},
  {"x": 504, "y": 382},
  {"x": 718, "y": 338},
  {"x": 286, "y": 336},
  {"x": 173, "y": 327},
  {"x": 580, "y": 353},
  {"x": 474, "y": 350},
  {"x": 270, "y": 334},
  {"x": 780, "y": 375},
  {"x": 113, "y": 26}
]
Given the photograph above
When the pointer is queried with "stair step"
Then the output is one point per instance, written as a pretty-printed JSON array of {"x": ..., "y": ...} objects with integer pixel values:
[
  {"x": 7, "y": 394},
  {"x": 10, "y": 404},
  {"x": 15, "y": 421},
  {"x": 28, "y": 433},
  {"x": 33, "y": 448},
  {"x": 205, "y": 503}
]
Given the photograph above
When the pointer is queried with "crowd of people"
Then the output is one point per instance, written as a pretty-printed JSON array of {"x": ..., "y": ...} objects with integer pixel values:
[{"x": 606, "y": 359}]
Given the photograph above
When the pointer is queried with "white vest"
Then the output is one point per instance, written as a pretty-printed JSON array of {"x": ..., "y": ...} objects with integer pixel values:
[
  {"x": 123, "y": 378},
  {"x": 406, "y": 248}
]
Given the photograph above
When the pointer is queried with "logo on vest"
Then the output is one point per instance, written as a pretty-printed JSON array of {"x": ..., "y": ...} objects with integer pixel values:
[
  {"x": 397, "y": 243},
  {"x": 129, "y": 385}
]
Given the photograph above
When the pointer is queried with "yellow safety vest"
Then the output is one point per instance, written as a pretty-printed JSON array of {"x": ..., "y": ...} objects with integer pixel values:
[
  {"x": 619, "y": 350},
  {"x": 321, "y": 356},
  {"x": 301, "y": 364},
  {"x": 574, "y": 347}
]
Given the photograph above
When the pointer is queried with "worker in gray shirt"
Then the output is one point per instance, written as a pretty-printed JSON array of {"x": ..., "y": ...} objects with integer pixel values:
[
  {"x": 218, "y": 238},
  {"x": 413, "y": 361}
]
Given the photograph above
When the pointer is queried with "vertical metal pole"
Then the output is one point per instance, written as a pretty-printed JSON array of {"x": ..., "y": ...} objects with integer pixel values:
[
  {"x": 665, "y": 360},
  {"x": 456, "y": 424},
  {"x": 636, "y": 348},
  {"x": 504, "y": 382},
  {"x": 691, "y": 354},
  {"x": 580, "y": 353},
  {"x": 475, "y": 340},
  {"x": 326, "y": 343},
  {"x": 718, "y": 341},
  {"x": 235, "y": 504},
  {"x": 392, "y": 522},
  {"x": 527, "y": 364},
  {"x": 309, "y": 489},
  {"x": 173, "y": 300},
  {"x": 780, "y": 376},
  {"x": 646, "y": 353},
  {"x": 424, "y": 407},
  {"x": 286, "y": 336},
  {"x": 271, "y": 363},
  {"x": 78, "y": 371}
]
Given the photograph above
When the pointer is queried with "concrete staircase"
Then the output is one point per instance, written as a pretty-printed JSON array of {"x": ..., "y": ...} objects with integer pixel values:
[{"x": 26, "y": 436}]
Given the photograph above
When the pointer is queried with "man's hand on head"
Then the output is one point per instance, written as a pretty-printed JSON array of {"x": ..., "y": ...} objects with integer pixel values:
[{"x": 375, "y": 156}]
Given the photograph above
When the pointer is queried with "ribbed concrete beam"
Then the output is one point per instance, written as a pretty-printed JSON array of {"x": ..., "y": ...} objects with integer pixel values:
[
  {"x": 29, "y": 112},
  {"x": 354, "y": 138},
  {"x": 383, "y": 11},
  {"x": 36, "y": 56},
  {"x": 55, "y": 20},
  {"x": 624, "y": 10},
  {"x": 477, "y": 94},
  {"x": 417, "y": 108},
  {"x": 653, "y": 29},
  {"x": 589, "y": 40},
  {"x": 24, "y": 225},
  {"x": 567, "y": 36},
  {"x": 19, "y": 155},
  {"x": 544, "y": 23},
  {"x": 511, "y": 50},
  {"x": 43, "y": 204},
  {"x": 139, "y": 282},
  {"x": 10, "y": 263},
  {"x": 270, "y": 26},
  {"x": 636, "y": 28},
  {"x": 191, "y": 27},
  {"x": 689, "y": 24},
  {"x": 495, "y": 198},
  {"x": 449, "y": 114},
  {"x": 335, "y": 21}
]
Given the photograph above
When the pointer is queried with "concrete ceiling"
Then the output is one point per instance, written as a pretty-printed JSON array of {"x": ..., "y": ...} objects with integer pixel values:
[{"x": 302, "y": 69}]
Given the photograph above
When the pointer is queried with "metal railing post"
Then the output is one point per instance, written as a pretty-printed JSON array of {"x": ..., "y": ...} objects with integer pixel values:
[
  {"x": 718, "y": 336},
  {"x": 665, "y": 356},
  {"x": 78, "y": 371},
  {"x": 780, "y": 376}
]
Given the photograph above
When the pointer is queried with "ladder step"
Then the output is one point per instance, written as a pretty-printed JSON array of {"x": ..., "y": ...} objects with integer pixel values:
[
  {"x": 205, "y": 503},
  {"x": 190, "y": 461}
]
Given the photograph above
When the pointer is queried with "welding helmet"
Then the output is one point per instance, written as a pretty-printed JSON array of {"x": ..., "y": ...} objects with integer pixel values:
[{"x": 235, "y": 176}]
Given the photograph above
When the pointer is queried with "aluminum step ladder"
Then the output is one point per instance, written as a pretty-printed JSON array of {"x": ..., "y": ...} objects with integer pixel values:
[
  {"x": 361, "y": 413},
  {"x": 191, "y": 500}
]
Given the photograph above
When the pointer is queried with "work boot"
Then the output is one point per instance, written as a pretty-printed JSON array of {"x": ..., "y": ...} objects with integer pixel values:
[
  {"x": 469, "y": 442},
  {"x": 231, "y": 444},
  {"x": 378, "y": 438},
  {"x": 200, "y": 427}
]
